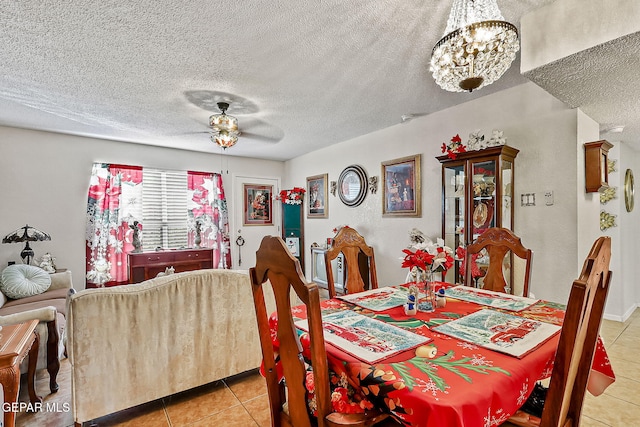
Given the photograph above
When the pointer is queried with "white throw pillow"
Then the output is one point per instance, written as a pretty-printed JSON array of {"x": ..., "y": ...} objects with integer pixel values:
[{"x": 22, "y": 280}]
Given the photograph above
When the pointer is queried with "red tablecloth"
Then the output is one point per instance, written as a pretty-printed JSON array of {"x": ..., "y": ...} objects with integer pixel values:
[{"x": 457, "y": 383}]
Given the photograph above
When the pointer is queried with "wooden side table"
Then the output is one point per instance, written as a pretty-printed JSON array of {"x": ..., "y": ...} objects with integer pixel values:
[{"x": 16, "y": 341}]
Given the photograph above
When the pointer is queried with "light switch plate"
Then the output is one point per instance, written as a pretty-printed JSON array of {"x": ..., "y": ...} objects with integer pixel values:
[{"x": 528, "y": 199}]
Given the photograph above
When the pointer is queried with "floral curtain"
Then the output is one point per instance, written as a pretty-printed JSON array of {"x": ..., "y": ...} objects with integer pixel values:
[
  {"x": 114, "y": 214},
  {"x": 209, "y": 216}
]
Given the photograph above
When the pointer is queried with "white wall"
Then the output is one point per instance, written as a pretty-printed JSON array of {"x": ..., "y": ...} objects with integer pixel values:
[
  {"x": 629, "y": 227},
  {"x": 44, "y": 181},
  {"x": 624, "y": 292},
  {"x": 541, "y": 127}
]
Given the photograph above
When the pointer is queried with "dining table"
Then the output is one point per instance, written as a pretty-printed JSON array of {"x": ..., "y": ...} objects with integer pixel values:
[{"x": 428, "y": 370}]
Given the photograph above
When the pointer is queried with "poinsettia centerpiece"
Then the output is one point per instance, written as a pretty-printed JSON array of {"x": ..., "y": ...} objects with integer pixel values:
[{"x": 427, "y": 256}]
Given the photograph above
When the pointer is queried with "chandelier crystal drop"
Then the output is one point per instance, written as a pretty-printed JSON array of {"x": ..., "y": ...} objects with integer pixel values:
[
  {"x": 477, "y": 48},
  {"x": 224, "y": 127}
]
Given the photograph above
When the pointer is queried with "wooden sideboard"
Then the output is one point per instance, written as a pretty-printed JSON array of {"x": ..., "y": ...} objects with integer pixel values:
[{"x": 147, "y": 265}]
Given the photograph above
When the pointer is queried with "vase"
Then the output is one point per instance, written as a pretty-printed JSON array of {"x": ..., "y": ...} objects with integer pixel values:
[{"x": 428, "y": 304}]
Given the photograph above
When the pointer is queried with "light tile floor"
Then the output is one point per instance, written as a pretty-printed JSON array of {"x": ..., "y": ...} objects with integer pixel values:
[{"x": 242, "y": 401}]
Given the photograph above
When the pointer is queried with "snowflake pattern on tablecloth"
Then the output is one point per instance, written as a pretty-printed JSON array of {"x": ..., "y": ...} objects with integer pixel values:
[
  {"x": 467, "y": 345},
  {"x": 495, "y": 419},
  {"x": 547, "y": 371},
  {"x": 524, "y": 393},
  {"x": 480, "y": 360},
  {"x": 430, "y": 387}
]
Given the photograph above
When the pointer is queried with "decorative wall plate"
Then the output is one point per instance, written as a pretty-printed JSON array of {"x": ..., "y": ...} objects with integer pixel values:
[
  {"x": 628, "y": 190},
  {"x": 352, "y": 185},
  {"x": 480, "y": 215}
]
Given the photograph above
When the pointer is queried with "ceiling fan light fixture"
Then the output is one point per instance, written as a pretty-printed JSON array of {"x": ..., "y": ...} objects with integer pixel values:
[
  {"x": 225, "y": 127},
  {"x": 477, "y": 48},
  {"x": 224, "y": 138}
]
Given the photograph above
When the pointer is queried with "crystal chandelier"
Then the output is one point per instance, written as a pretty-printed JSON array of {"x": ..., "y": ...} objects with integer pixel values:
[
  {"x": 477, "y": 48},
  {"x": 225, "y": 128}
]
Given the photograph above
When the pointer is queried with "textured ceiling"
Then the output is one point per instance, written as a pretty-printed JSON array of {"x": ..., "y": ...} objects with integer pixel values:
[
  {"x": 299, "y": 75},
  {"x": 603, "y": 82}
]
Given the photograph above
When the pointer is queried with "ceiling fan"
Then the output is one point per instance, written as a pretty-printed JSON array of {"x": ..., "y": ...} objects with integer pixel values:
[
  {"x": 233, "y": 120},
  {"x": 224, "y": 128}
]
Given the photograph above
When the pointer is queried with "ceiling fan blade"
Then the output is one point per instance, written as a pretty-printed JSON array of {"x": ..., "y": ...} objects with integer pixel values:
[{"x": 259, "y": 137}]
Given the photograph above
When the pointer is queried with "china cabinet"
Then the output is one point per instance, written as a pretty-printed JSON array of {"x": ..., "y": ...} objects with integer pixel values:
[{"x": 477, "y": 193}]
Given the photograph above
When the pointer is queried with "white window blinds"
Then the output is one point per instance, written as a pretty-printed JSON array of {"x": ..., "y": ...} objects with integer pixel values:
[{"x": 164, "y": 195}]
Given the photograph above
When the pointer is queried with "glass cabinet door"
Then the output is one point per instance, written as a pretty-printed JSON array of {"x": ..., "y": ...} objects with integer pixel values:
[
  {"x": 484, "y": 197},
  {"x": 454, "y": 212},
  {"x": 507, "y": 194}
]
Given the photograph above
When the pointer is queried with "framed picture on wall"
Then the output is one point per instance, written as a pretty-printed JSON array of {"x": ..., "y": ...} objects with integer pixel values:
[
  {"x": 401, "y": 193},
  {"x": 317, "y": 196},
  {"x": 258, "y": 209}
]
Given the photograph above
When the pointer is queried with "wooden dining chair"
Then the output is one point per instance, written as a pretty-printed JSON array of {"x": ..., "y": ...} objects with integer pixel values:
[
  {"x": 276, "y": 266},
  {"x": 578, "y": 338},
  {"x": 499, "y": 243},
  {"x": 359, "y": 262}
]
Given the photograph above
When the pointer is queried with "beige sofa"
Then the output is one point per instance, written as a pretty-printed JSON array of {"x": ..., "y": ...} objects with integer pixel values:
[
  {"x": 50, "y": 309},
  {"x": 133, "y": 344}
]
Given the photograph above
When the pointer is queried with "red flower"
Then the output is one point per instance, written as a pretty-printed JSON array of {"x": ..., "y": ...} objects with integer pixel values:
[
  {"x": 309, "y": 383},
  {"x": 454, "y": 147},
  {"x": 421, "y": 259}
]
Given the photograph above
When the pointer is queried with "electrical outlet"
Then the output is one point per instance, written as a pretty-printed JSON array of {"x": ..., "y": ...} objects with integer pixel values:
[{"x": 548, "y": 198}]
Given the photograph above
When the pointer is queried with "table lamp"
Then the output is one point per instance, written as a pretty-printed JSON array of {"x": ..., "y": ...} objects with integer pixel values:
[{"x": 26, "y": 234}]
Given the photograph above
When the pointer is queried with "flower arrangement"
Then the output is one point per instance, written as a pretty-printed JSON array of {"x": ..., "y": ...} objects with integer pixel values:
[
  {"x": 427, "y": 256},
  {"x": 293, "y": 196},
  {"x": 454, "y": 147},
  {"x": 477, "y": 141}
]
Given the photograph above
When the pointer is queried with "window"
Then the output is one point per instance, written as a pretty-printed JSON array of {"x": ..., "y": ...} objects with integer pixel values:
[
  {"x": 131, "y": 208},
  {"x": 164, "y": 209}
]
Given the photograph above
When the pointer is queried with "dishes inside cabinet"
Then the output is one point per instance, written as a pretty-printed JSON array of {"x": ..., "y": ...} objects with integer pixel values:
[
  {"x": 480, "y": 214},
  {"x": 483, "y": 213}
]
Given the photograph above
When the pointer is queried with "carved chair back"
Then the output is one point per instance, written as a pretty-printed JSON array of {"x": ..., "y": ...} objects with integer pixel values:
[
  {"x": 578, "y": 339},
  {"x": 359, "y": 262},
  {"x": 499, "y": 243},
  {"x": 275, "y": 266}
]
